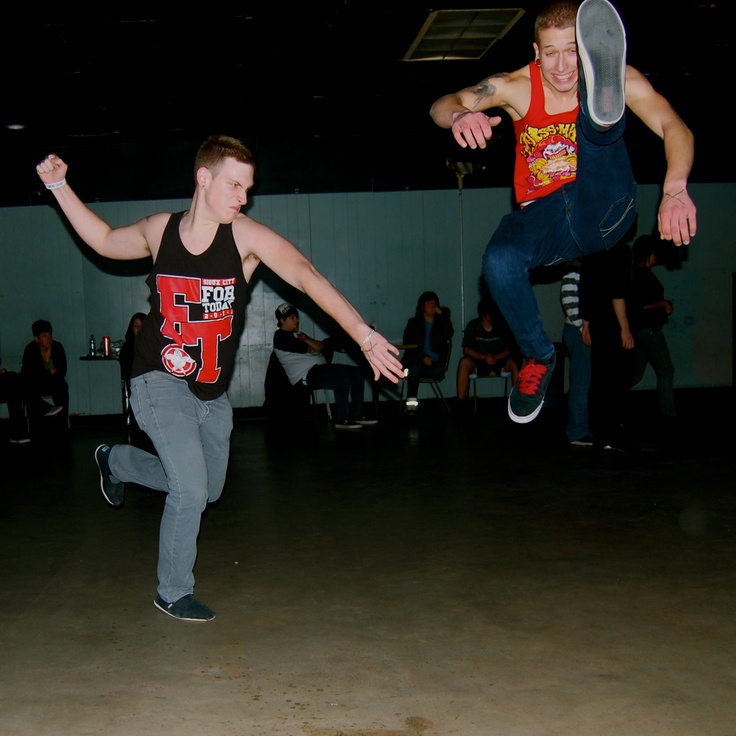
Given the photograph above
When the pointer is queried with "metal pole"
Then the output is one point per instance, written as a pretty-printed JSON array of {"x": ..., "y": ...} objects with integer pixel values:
[{"x": 462, "y": 251}]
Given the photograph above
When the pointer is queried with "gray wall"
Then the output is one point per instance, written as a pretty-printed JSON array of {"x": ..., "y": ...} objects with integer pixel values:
[{"x": 380, "y": 249}]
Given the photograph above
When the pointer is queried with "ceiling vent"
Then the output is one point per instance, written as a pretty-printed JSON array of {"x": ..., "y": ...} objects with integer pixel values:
[{"x": 461, "y": 34}]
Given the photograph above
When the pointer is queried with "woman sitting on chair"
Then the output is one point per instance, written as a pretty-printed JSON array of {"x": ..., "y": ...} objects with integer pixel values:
[
  {"x": 127, "y": 354},
  {"x": 127, "y": 351},
  {"x": 431, "y": 330}
]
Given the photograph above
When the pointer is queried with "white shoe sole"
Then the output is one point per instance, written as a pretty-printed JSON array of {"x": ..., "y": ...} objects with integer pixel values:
[
  {"x": 102, "y": 480},
  {"x": 527, "y": 417},
  {"x": 601, "y": 40}
]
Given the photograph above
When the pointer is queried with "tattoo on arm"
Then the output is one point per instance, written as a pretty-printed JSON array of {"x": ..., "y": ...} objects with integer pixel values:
[{"x": 486, "y": 88}]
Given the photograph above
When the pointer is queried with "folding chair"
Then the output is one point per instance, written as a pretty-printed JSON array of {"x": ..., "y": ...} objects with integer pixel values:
[{"x": 504, "y": 376}]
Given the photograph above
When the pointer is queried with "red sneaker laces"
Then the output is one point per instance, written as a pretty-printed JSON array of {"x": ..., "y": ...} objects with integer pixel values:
[{"x": 530, "y": 376}]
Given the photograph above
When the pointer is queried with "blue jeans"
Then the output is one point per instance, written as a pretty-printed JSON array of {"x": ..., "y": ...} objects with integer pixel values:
[
  {"x": 651, "y": 347},
  {"x": 192, "y": 439},
  {"x": 578, "y": 421},
  {"x": 585, "y": 216},
  {"x": 347, "y": 382}
]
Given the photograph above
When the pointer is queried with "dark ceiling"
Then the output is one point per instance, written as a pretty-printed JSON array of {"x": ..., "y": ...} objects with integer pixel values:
[{"x": 318, "y": 90}]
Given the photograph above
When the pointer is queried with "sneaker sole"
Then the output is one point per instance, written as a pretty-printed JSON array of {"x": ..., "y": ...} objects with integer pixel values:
[
  {"x": 102, "y": 481},
  {"x": 601, "y": 39},
  {"x": 526, "y": 418},
  {"x": 182, "y": 618}
]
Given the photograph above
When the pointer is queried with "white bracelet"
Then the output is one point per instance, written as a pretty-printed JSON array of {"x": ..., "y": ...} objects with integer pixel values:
[
  {"x": 366, "y": 339},
  {"x": 56, "y": 184}
]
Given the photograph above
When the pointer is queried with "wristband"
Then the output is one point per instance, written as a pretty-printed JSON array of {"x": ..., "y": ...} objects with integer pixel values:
[
  {"x": 365, "y": 340},
  {"x": 56, "y": 184}
]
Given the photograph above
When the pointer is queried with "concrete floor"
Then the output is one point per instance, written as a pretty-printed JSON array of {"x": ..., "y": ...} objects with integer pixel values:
[{"x": 425, "y": 577}]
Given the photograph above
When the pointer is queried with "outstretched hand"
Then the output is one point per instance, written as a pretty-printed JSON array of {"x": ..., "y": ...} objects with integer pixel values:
[
  {"x": 383, "y": 357},
  {"x": 677, "y": 219},
  {"x": 474, "y": 128},
  {"x": 52, "y": 169}
]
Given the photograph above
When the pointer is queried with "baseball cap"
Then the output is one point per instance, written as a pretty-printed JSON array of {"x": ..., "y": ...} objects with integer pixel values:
[{"x": 285, "y": 310}]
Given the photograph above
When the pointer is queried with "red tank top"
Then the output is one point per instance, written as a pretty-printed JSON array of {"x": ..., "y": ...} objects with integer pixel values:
[{"x": 546, "y": 146}]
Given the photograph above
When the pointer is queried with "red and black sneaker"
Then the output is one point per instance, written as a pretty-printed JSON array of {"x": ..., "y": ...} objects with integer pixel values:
[{"x": 527, "y": 396}]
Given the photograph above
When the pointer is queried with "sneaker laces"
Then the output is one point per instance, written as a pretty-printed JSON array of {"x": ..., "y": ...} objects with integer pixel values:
[{"x": 530, "y": 376}]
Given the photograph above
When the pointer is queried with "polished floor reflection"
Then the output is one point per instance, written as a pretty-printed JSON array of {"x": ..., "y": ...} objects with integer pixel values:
[{"x": 428, "y": 576}]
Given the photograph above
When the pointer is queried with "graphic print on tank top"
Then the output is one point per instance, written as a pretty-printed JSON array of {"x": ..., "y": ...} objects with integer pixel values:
[
  {"x": 197, "y": 314},
  {"x": 550, "y": 153}
]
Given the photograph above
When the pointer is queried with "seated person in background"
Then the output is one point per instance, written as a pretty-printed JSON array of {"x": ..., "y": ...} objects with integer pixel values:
[
  {"x": 127, "y": 352},
  {"x": 485, "y": 352},
  {"x": 302, "y": 359},
  {"x": 10, "y": 394},
  {"x": 431, "y": 330},
  {"x": 43, "y": 373}
]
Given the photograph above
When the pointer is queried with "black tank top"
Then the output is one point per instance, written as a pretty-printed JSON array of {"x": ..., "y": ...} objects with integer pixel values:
[{"x": 197, "y": 312}]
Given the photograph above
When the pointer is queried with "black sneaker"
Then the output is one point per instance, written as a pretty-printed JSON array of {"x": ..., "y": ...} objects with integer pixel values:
[
  {"x": 601, "y": 41},
  {"x": 364, "y": 422},
  {"x": 527, "y": 396},
  {"x": 20, "y": 440},
  {"x": 350, "y": 425},
  {"x": 112, "y": 490},
  {"x": 187, "y": 608}
]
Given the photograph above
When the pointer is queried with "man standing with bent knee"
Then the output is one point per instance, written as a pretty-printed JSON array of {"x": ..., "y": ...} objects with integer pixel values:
[{"x": 203, "y": 259}]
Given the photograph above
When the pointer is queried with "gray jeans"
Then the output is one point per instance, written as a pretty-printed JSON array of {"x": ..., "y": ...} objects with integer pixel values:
[{"x": 192, "y": 439}]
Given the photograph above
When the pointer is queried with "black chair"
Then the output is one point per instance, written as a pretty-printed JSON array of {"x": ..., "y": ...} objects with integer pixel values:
[
  {"x": 504, "y": 375},
  {"x": 287, "y": 403},
  {"x": 37, "y": 422}
]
